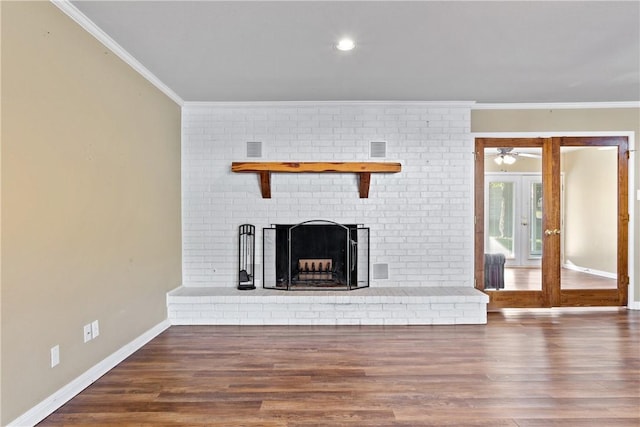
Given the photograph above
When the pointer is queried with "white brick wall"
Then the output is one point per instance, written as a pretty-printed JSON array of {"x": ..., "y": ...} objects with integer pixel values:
[{"x": 421, "y": 219}]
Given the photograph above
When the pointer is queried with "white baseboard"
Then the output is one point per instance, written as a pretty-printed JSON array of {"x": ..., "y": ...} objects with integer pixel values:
[
  {"x": 633, "y": 305},
  {"x": 45, "y": 408},
  {"x": 590, "y": 271}
]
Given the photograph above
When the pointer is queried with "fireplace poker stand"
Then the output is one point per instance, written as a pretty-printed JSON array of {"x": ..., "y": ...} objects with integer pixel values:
[{"x": 246, "y": 257}]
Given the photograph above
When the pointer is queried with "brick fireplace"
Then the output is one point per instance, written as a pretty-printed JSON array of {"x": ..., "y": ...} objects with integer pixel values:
[{"x": 420, "y": 218}]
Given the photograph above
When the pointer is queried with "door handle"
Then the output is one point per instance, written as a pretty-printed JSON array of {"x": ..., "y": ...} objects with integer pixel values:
[{"x": 553, "y": 232}]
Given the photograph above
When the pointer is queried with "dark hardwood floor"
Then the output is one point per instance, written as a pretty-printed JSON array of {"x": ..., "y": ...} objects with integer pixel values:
[
  {"x": 551, "y": 367},
  {"x": 530, "y": 279}
]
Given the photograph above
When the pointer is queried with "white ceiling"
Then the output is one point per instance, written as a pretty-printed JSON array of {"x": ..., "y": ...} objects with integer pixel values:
[{"x": 488, "y": 52}]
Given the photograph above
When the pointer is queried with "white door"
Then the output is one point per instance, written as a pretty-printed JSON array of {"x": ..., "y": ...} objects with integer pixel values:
[{"x": 513, "y": 217}]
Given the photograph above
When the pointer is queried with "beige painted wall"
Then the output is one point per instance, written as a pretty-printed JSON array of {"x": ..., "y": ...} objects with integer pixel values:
[
  {"x": 572, "y": 120},
  {"x": 90, "y": 202}
]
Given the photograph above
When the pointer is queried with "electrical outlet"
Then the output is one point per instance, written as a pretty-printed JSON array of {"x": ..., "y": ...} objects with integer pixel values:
[
  {"x": 55, "y": 355},
  {"x": 87, "y": 332},
  {"x": 95, "y": 329}
]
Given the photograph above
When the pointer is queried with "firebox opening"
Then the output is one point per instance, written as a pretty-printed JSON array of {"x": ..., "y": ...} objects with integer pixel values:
[{"x": 317, "y": 255}]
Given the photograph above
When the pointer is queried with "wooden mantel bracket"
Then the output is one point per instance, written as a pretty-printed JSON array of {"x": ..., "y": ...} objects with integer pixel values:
[
  {"x": 363, "y": 169},
  {"x": 365, "y": 181},
  {"x": 265, "y": 184}
]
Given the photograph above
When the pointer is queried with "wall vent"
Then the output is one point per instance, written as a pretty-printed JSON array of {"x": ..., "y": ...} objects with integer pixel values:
[
  {"x": 380, "y": 271},
  {"x": 378, "y": 149},
  {"x": 254, "y": 149}
]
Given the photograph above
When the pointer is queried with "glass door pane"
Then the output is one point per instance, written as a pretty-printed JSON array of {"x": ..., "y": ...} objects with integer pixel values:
[
  {"x": 500, "y": 216},
  {"x": 589, "y": 215},
  {"x": 535, "y": 219},
  {"x": 513, "y": 218},
  {"x": 531, "y": 187}
]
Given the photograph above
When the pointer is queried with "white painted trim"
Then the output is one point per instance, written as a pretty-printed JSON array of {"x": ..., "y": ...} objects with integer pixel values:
[
  {"x": 633, "y": 254},
  {"x": 591, "y": 271},
  {"x": 81, "y": 19},
  {"x": 306, "y": 104},
  {"x": 45, "y": 408},
  {"x": 547, "y": 134},
  {"x": 556, "y": 105}
]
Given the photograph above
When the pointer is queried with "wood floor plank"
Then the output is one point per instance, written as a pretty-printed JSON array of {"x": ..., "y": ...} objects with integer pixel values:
[
  {"x": 527, "y": 368},
  {"x": 579, "y": 422}
]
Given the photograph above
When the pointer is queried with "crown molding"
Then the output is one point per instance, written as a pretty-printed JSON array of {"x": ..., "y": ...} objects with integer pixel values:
[
  {"x": 88, "y": 25},
  {"x": 555, "y": 105},
  {"x": 552, "y": 134},
  {"x": 307, "y": 104}
]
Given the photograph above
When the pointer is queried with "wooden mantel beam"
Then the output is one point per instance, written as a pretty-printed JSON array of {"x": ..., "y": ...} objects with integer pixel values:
[
  {"x": 309, "y": 167},
  {"x": 363, "y": 169}
]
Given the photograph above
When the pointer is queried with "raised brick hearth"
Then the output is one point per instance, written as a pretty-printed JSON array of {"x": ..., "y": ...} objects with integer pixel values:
[{"x": 369, "y": 306}]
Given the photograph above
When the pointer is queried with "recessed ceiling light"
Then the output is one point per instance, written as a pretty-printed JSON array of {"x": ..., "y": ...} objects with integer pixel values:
[{"x": 345, "y": 44}]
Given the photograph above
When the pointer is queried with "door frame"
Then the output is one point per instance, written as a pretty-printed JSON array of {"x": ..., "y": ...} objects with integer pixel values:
[{"x": 552, "y": 294}]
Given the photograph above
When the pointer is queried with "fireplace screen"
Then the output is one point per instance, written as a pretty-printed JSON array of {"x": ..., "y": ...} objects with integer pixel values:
[{"x": 315, "y": 255}]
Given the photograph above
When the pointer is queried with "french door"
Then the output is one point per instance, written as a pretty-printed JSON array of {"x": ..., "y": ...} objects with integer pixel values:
[
  {"x": 557, "y": 209},
  {"x": 513, "y": 218}
]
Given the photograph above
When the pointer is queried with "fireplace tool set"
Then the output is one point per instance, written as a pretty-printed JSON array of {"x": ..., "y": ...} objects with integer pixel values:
[{"x": 246, "y": 257}]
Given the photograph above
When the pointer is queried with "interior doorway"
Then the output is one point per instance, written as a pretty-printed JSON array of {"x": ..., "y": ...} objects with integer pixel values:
[{"x": 556, "y": 209}]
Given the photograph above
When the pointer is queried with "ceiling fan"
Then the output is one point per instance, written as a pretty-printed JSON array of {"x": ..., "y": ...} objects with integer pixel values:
[{"x": 507, "y": 156}]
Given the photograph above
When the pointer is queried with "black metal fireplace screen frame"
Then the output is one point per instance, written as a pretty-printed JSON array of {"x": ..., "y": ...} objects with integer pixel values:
[{"x": 349, "y": 271}]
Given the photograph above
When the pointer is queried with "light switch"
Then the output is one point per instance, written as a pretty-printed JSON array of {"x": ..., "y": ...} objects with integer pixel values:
[
  {"x": 95, "y": 329},
  {"x": 638, "y": 194}
]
